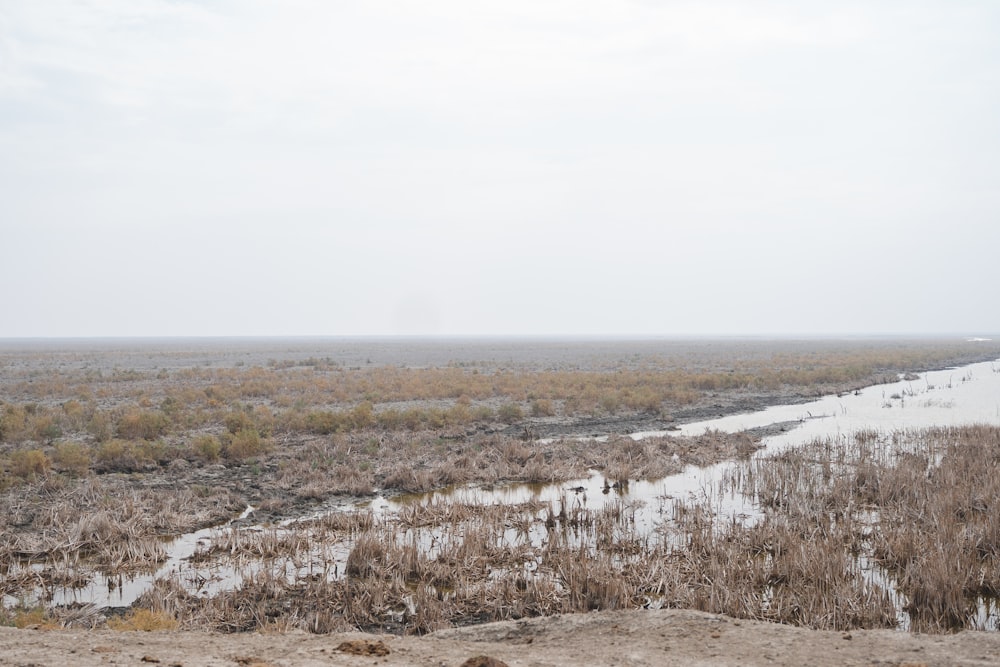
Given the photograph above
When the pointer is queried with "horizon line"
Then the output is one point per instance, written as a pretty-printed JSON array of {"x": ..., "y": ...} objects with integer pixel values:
[{"x": 496, "y": 336}]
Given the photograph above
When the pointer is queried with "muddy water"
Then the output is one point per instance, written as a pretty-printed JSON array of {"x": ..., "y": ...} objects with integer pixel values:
[
  {"x": 953, "y": 397},
  {"x": 969, "y": 394},
  {"x": 123, "y": 590}
]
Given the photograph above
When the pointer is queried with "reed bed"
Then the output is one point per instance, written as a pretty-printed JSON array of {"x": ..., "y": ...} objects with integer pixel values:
[
  {"x": 922, "y": 506},
  {"x": 66, "y": 537},
  {"x": 873, "y": 532}
]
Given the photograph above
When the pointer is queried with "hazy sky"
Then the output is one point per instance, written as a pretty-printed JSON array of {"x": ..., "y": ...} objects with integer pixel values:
[{"x": 240, "y": 167}]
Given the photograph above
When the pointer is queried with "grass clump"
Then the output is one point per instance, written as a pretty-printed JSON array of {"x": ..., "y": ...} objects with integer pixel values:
[
  {"x": 207, "y": 448},
  {"x": 125, "y": 456},
  {"x": 246, "y": 443},
  {"x": 510, "y": 413},
  {"x": 143, "y": 620},
  {"x": 36, "y": 617},
  {"x": 542, "y": 407},
  {"x": 28, "y": 464},
  {"x": 13, "y": 422},
  {"x": 142, "y": 425},
  {"x": 72, "y": 458}
]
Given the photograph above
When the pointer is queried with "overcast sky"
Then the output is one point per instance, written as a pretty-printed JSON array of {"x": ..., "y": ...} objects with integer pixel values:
[{"x": 240, "y": 167}]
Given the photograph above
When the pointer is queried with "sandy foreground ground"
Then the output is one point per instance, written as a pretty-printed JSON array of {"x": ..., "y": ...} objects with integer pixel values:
[{"x": 664, "y": 637}]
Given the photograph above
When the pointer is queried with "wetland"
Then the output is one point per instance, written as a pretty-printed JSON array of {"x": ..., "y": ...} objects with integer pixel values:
[{"x": 408, "y": 486}]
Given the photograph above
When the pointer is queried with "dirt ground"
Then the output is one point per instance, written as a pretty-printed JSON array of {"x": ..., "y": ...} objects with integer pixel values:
[{"x": 662, "y": 637}]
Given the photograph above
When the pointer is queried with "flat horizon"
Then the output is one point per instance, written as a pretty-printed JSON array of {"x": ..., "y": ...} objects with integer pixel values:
[{"x": 524, "y": 336}]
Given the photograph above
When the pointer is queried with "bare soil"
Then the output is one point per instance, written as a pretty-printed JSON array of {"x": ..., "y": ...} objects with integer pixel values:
[{"x": 662, "y": 637}]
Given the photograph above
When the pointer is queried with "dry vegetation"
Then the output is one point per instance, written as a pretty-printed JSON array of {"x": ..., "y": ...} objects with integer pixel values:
[
  {"x": 920, "y": 510},
  {"x": 73, "y": 417},
  {"x": 848, "y": 533},
  {"x": 97, "y": 463}
]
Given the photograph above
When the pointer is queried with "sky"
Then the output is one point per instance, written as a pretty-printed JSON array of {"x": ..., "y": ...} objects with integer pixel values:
[{"x": 542, "y": 167}]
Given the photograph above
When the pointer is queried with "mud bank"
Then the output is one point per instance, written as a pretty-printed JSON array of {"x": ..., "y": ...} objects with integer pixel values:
[{"x": 663, "y": 637}]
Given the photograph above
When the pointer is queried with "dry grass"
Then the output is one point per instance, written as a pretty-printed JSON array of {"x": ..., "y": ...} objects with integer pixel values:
[
  {"x": 142, "y": 620},
  {"x": 917, "y": 507},
  {"x": 923, "y": 506},
  {"x": 63, "y": 538},
  {"x": 37, "y": 618},
  {"x": 325, "y": 398}
]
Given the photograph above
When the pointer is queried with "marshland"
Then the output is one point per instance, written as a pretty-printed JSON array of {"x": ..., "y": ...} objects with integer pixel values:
[{"x": 409, "y": 485}]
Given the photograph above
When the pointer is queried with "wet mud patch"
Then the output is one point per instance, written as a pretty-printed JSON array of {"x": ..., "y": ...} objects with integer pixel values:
[{"x": 364, "y": 647}]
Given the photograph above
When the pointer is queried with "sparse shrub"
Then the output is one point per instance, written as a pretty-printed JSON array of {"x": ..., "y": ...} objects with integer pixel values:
[
  {"x": 324, "y": 422},
  {"x": 171, "y": 406},
  {"x": 100, "y": 427},
  {"x": 13, "y": 422},
  {"x": 542, "y": 407},
  {"x": 157, "y": 451},
  {"x": 412, "y": 419},
  {"x": 460, "y": 413},
  {"x": 36, "y": 617},
  {"x": 142, "y": 425},
  {"x": 29, "y": 464},
  {"x": 644, "y": 401},
  {"x": 362, "y": 415},
  {"x": 610, "y": 403},
  {"x": 120, "y": 456},
  {"x": 436, "y": 418},
  {"x": 263, "y": 420},
  {"x": 75, "y": 414},
  {"x": 47, "y": 428},
  {"x": 245, "y": 443},
  {"x": 390, "y": 419},
  {"x": 207, "y": 447},
  {"x": 143, "y": 620},
  {"x": 238, "y": 420},
  {"x": 72, "y": 458},
  {"x": 510, "y": 413}
]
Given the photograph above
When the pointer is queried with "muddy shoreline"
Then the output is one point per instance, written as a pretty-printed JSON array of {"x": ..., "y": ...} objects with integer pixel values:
[
  {"x": 665, "y": 637},
  {"x": 595, "y": 427}
]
